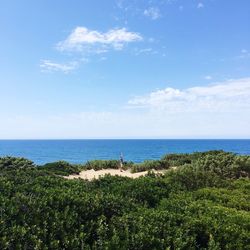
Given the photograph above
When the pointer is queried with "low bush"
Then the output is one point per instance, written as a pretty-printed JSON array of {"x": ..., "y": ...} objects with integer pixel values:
[
  {"x": 60, "y": 168},
  {"x": 15, "y": 163}
]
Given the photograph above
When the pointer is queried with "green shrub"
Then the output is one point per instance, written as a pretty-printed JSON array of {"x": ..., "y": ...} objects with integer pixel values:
[
  {"x": 60, "y": 168},
  {"x": 224, "y": 165},
  {"x": 150, "y": 165},
  {"x": 102, "y": 164},
  {"x": 15, "y": 163},
  {"x": 200, "y": 205},
  {"x": 177, "y": 159}
]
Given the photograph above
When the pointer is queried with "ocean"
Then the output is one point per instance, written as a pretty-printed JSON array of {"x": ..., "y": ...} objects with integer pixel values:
[{"x": 80, "y": 151}]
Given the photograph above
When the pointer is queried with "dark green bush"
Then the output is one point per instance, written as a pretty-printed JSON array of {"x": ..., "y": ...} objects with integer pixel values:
[
  {"x": 101, "y": 164},
  {"x": 200, "y": 205},
  {"x": 177, "y": 159},
  {"x": 60, "y": 168},
  {"x": 15, "y": 163},
  {"x": 150, "y": 165}
]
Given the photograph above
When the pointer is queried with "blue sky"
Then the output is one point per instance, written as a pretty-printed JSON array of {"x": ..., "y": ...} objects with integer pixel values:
[{"x": 125, "y": 69}]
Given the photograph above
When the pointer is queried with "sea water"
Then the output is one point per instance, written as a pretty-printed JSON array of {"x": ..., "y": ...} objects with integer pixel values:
[{"x": 80, "y": 151}]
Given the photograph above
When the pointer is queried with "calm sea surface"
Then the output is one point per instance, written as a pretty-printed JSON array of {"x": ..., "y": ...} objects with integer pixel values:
[{"x": 78, "y": 151}]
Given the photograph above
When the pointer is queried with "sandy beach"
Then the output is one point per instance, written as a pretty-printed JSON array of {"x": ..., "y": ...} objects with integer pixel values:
[{"x": 92, "y": 174}]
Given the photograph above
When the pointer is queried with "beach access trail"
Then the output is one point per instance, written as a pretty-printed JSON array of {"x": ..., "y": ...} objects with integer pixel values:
[{"x": 92, "y": 174}]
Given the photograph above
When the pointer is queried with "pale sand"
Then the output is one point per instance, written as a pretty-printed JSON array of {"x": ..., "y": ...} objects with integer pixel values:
[{"x": 92, "y": 174}]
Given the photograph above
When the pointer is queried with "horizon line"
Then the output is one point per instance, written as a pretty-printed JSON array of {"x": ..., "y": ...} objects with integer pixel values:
[{"x": 78, "y": 139}]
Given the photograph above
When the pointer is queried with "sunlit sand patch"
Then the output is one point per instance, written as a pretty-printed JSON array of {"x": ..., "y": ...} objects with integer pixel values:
[{"x": 92, "y": 174}]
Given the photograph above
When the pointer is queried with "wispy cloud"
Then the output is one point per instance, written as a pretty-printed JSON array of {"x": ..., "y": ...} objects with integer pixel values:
[
  {"x": 119, "y": 4},
  {"x": 200, "y": 5},
  {"x": 49, "y": 66},
  {"x": 170, "y": 113},
  {"x": 181, "y": 7},
  {"x": 221, "y": 110},
  {"x": 89, "y": 42},
  {"x": 244, "y": 54},
  {"x": 152, "y": 12},
  {"x": 146, "y": 51},
  {"x": 85, "y": 40},
  {"x": 208, "y": 77},
  {"x": 220, "y": 97}
]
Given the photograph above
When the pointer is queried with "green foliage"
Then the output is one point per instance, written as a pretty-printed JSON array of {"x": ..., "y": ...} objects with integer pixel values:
[
  {"x": 60, "y": 168},
  {"x": 190, "y": 178},
  {"x": 15, "y": 163},
  {"x": 178, "y": 159},
  {"x": 105, "y": 164},
  {"x": 101, "y": 164},
  {"x": 224, "y": 165},
  {"x": 149, "y": 165},
  {"x": 203, "y": 204}
]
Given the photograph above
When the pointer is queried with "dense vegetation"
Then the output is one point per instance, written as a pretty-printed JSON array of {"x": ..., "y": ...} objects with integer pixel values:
[{"x": 203, "y": 204}]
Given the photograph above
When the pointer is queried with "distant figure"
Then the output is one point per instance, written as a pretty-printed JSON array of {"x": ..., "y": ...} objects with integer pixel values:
[{"x": 121, "y": 162}]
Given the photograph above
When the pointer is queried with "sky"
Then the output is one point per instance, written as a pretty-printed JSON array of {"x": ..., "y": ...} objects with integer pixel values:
[{"x": 124, "y": 69}]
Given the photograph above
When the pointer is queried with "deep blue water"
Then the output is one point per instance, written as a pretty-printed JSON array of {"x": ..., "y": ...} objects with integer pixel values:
[{"x": 78, "y": 151}]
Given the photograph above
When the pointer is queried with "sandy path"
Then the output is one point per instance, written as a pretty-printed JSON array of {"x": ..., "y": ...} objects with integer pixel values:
[{"x": 92, "y": 174}]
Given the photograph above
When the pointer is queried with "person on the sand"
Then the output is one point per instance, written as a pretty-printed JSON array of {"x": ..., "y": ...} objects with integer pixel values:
[{"x": 121, "y": 163}]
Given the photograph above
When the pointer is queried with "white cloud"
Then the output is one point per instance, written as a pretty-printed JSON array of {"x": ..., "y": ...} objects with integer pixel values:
[
  {"x": 49, "y": 66},
  {"x": 127, "y": 124},
  {"x": 119, "y": 4},
  {"x": 83, "y": 39},
  {"x": 151, "y": 40},
  {"x": 152, "y": 12},
  {"x": 245, "y": 54},
  {"x": 146, "y": 51},
  {"x": 221, "y": 110},
  {"x": 208, "y": 77},
  {"x": 200, "y": 5},
  {"x": 103, "y": 58},
  {"x": 231, "y": 95}
]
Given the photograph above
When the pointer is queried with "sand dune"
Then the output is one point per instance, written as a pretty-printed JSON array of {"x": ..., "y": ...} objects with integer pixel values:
[{"x": 92, "y": 174}]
